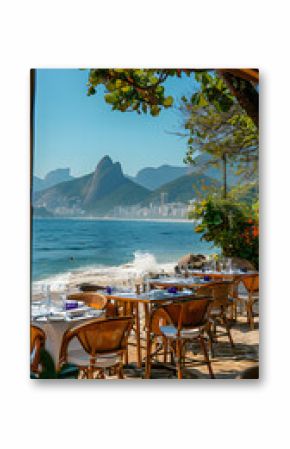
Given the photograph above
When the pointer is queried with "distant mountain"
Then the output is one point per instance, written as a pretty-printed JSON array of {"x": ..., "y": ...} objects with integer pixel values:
[
  {"x": 181, "y": 190},
  {"x": 152, "y": 178},
  {"x": 38, "y": 183},
  {"x": 42, "y": 212},
  {"x": 96, "y": 193},
  {"x": 52, "y": 178}
]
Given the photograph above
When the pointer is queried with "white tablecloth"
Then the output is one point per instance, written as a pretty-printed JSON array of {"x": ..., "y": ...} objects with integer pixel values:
[{"x": 54, "y": 331}]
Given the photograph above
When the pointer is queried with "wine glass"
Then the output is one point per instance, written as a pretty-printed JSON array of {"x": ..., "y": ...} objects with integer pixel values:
[
  {"x": 46, "y": 305},
  {"x": 146, "y": 282},
  {"x": 131, "y": 280},
  {"x": 229, "y": 265}
]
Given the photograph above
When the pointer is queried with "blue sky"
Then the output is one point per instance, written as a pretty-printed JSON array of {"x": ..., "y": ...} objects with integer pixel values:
[{"x": 76, "y": 131}]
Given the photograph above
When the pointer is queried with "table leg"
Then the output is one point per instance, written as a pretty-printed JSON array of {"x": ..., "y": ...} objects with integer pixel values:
[
  {"x": 125, "y": 307},
  {"x": 148, "y": 342},
  {"x": 138, "y": 341}
]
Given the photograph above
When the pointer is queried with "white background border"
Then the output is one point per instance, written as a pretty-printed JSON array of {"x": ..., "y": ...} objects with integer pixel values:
[{"x": 131, "y": 33}]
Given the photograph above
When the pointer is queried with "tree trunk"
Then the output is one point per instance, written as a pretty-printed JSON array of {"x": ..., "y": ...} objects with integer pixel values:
[
  {"x": 225, "y": 187},
  {"x": 248, "y": 97}
]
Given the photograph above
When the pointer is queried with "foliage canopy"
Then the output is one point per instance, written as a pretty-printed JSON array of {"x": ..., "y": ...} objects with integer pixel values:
[{"x": 142, "y": 90}]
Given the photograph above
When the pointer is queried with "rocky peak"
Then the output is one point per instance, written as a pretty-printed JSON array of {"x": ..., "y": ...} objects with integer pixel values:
[
  {"x": 105, "y": 163},
  {"x": 107, "y": 177}
]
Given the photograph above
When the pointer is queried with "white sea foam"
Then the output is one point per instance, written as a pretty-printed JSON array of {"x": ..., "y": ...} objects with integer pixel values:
[{"x": 142, "y": 264}]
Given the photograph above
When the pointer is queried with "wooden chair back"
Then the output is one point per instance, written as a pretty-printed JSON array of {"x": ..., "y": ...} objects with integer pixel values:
[
  {"x": 97, "y": 301},
  {"x": 219, "y": 292},
  {"x": 99, "y": 336},
  {"x": 186, "y": 314},
  {"x": 251, "y": 283},
  {"x": 159, "y": 317},
  {"x": 37, "y": 341},
  {"x": 92, "y": 299}
]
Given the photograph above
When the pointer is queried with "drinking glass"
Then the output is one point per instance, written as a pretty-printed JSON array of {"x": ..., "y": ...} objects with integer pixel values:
[
  {"x": 131, "y": 281},
  {"x": 63, "y": 300},
  {"x": 229, "y": 265},
  {"x": 222, "y": 265},
  {"x": 146, "y": 283},
  {"x": 46, "y": 304}
]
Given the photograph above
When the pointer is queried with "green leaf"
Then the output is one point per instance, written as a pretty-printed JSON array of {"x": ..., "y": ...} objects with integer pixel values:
[
  {"x": 155, "y": 110},
  {"x": 91, "y": 90},
  {"x": 110, "y": 98},
  {"x": 153, "y": 79},
  {"x": 168, "y": 101},
  {"x": 202, "y": 101},
  {"x": 126, "y": 89}
]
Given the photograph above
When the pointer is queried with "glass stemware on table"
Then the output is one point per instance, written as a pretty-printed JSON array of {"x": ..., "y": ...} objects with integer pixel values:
[
  {"x": 55, "y": 306},
  {"x": 138, "y": 282}
]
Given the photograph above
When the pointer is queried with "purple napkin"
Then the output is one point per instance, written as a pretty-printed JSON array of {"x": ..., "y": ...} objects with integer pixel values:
[
  {"x": 207, "y": 278},
  {"x": 172, "y": 290},
  {"x": 109, "y": 290},
  {"x": 70, "y": 304}
]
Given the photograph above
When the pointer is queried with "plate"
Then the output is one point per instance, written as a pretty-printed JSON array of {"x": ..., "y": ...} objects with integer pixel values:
[
  {"x": 56, "y": 318},
  {"x": 78, "y": 318},
  {"x": 41, "y": 319}
]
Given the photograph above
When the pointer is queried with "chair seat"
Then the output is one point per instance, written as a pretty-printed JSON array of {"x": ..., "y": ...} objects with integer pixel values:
[
  {"x": 171, "y": 332},
  {"x": 246, "y": 297},
  {"x": 81, "y": 358}
]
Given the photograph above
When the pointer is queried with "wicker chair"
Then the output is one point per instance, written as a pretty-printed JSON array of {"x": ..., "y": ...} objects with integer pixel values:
[
  {"x": 186, "y": 322},
  {"x": 104, "y": 344},
  {"x": 251, "y": 284},
  {"x": 37, "y": 342},
  {"x": 222, "y": 301},
  {"x": 97, "y": 301}
]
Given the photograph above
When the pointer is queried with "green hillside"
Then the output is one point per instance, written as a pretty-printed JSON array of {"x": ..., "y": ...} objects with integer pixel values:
[
  {"x": 182, "y": 189},
  {"x": 127, "y": 194},
  {"x": 96, "y": 193},
  {"x": 107, "y": 188}
]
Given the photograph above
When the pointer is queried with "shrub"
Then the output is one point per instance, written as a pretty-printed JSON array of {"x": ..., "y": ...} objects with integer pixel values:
[{"x": 232, "y": 226}]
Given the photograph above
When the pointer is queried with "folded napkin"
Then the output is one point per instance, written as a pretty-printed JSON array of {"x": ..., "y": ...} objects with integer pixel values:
[
  {"x": 172, "y": 290},
  {"x": 71, "y": 304}
]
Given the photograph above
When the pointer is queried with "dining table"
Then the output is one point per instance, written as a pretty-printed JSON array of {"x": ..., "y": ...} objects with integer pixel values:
[
  {"x": 224, "y": 274},
  {"x": 55, "y": 322},
  {"x": 180, "y": 283},
  {"x": 194, "y": 279},
  {"x": 148, "y": 300},
  {"x": 235, "y": 276}
]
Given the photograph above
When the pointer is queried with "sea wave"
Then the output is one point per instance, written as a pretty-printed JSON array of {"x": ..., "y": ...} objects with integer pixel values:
[{"x": 142, "y": 264}]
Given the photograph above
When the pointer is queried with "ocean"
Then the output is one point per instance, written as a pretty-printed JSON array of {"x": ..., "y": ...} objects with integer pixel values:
[{"x": 62, "y": 247}]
